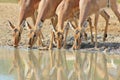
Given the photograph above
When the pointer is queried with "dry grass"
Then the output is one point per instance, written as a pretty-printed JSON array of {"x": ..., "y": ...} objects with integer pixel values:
[
  {"x": 9, "y": 1},
  {"x": 119, "y": 1}
]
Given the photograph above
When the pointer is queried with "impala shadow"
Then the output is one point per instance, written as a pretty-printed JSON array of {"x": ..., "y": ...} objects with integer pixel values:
[{"x": 100, "y": 44}]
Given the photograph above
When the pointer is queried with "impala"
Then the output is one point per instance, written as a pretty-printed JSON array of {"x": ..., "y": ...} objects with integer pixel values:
[
  {"x": 27, "y": 9},
  {"x": 46, "y": 10},
  {"x": 68, "y": 10},
  {"x": 88, "y": 7}
]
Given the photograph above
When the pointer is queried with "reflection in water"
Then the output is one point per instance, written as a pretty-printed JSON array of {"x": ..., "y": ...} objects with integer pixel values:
[
  {"x": 58, "y": 70},
  {"x": 17, "y": 64},
  {"x": 35, "y": 67},
  {"x": 63, "y": 65}
]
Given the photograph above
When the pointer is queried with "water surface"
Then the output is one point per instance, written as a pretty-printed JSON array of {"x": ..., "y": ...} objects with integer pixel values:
[{"x": 25, "y": 64}]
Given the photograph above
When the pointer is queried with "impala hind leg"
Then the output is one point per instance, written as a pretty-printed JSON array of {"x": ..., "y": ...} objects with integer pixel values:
[
  {"x": 65, "y": 34},
  {"x": 95, "y": 24},
  {"x": 106, "y": 17},
  {"x": 54, "y": 21},
  {"x": 40, "y": 41},
  {"x": 41, "y": 37},
  {"x": 51, "y": 40},
  {"x": 115, "y": 8},
  {"x": 90, "y": 24},
  {"x": 77, "y": 37},
  {"x": 33, "y": 19},
  {"x": 84, "y": 35}
]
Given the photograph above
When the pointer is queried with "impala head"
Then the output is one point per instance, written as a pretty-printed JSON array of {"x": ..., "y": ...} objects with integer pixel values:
[
  {"x": 59, "y": 39},
  {"x": 77, "y": 37},
  {"x": 16, "y": 33},
  {"x": 59, "y": 36},
  {"x": 33, "y": 35}
]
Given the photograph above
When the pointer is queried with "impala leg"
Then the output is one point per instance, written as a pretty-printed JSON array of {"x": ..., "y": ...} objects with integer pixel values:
[
  {"x": 95, "y": 24},
  {"x": 115, "y": 8},
  {"x": 51, "y": 40},
  {"x": 85, "y": 36},
  {"x": 75, "y": 21},
  {"x": 39, "y": 40},
  {"x": 106, "y": 17},
  {"x": 76, "y": 40},
  {"x": 41, "y": 35},
  {"x": 34, "y": 16},
  {"x": 65, "y": 35},
  {"x": 54, "y": 21},
  {"x": 33, "y": 19},
  {"x": 90, "y": 24}
]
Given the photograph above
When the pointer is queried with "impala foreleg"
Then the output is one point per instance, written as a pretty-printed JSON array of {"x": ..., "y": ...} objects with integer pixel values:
[
  {"x": 65, "y": 34},
  {"x": 51, "y": 40},
  {"x": 90, "y": 24},
  {"x": 41, "y": 35},
  {"x": 115, "y": 8},
  {"x": 106, "y": 17},
  {"x": 95, "y": 24},
  {"x": 39, "y": 40},
  {"x": 77, "y": 37}
]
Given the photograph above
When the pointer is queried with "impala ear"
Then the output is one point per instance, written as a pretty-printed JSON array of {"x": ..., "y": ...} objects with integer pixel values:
[
  {"x": 28, "y": 25},
  {"x": 71, "y": 26},
  {"x": 11, "y": 25}
]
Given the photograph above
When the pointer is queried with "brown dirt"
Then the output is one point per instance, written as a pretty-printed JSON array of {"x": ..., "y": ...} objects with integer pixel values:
[{"x": 11, "y": 12}]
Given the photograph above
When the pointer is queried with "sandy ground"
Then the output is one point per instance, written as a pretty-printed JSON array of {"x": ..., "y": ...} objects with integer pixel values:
[{"x": 11, "y": 12}]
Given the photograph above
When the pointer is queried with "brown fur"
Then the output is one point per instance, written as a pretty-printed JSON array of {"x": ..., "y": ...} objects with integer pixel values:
[
  {"x": 88, "y": 7},
  {"x": 27, "y": 9},
  {"x": 93, "y": 6},
  {"x": 67, "y": 10},
  {"x": 46, "y": 10}
]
